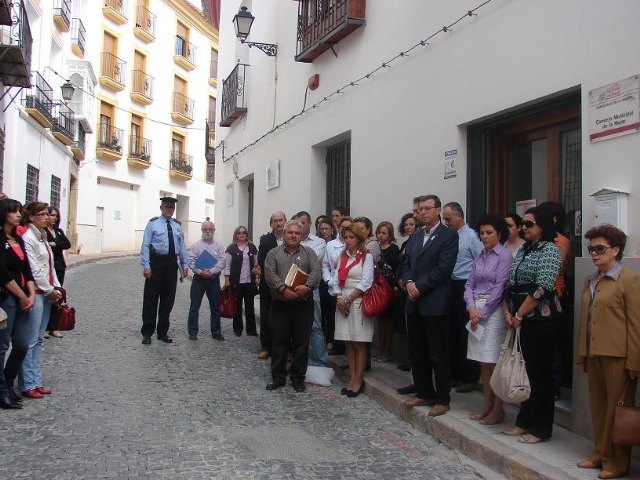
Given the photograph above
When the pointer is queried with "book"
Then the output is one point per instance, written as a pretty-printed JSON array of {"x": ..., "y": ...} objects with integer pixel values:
[
  {"x": 206, "y": 261},
  {"x": 295, "y": 277}
]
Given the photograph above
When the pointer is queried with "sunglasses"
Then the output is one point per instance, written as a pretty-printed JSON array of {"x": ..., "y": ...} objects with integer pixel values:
[
  {"x": 528, "y": 224},
  {"x": 597, "y": 249}
]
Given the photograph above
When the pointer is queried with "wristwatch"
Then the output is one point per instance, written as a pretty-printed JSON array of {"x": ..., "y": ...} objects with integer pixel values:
[{"x": 518, "y": 317}]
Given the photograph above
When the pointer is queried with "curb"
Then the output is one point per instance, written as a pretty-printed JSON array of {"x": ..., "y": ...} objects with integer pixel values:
[{"x": 73, "y": 262}]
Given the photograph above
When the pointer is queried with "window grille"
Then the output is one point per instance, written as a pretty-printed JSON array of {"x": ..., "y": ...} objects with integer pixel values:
[
  {"x": 56, "y": 183},
  {"x": 339, "y": 175},
  {"x": 33, "y": 178}
]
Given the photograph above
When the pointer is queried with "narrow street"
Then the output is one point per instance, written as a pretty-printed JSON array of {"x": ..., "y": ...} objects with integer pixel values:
[{"x": 192, "y": 409}]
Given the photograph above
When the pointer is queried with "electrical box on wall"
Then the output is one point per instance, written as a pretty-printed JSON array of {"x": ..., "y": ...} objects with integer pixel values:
[{"x": 611, "y": 206}]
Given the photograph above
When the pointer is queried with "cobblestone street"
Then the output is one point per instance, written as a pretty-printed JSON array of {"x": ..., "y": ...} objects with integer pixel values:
[{"x": 192, "y": 409}]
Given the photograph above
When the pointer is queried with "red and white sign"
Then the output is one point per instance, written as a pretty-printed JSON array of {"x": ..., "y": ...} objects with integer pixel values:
[{"x": 614, "y": 109}]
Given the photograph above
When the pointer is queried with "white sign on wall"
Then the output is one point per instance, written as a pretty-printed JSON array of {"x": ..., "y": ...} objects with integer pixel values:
[
  {"x": 450, "y": 164},
  {"x": 524, "y": 205},
  {"x": 614, "y": 109},
  {"x": 273, "y": 175}
]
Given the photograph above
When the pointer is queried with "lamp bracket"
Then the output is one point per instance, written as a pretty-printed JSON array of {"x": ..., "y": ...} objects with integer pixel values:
[{"x": 271, "y": 49}]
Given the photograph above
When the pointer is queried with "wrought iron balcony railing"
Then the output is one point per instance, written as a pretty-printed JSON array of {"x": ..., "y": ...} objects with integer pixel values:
[
  {"x": 62, "y": 14},
  {"x": 113, "y": 67},
  {"x": 181, "y": 162},
  {"x": 39, "y": 100},
  {"x": 183, "y": 105},
  {"x": 142, "y": 84},
  {"x": 15, "y": 45},
  {"x": 80, "y": 144},
  {"x": 109, "y": 137},
  {"x": 63, "y": 123},
  {"x": 233, "y": 99},
  {"x": 140, "y": 148},
  {"x": 146, "y": 20},
  {"x": 78, "y": 34},
  {"x": 186, "y": 49},
  {"x": 322, "y": 23}
]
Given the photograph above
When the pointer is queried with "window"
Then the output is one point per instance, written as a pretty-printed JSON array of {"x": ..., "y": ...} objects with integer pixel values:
[
  {"x": 211, "y": 173},
  {"x": 213, "y": 69},
  {"x": 33, "y": 179},
  {"x": 56, "y": 183},
  {"x": 339, "y": 175}
]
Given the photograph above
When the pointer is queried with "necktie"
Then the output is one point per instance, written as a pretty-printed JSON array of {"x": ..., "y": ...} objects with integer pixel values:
[{"x": 172, "y": 243}]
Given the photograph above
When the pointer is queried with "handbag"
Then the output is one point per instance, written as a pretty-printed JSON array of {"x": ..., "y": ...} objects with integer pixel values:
[
  {"x": 378, "y": 299},
  {"x": 509, "y": 380},
  {"x": 626, "y": 422},
  {"x": 228, "y": 303},
  {"x": 63, "y": 317}
]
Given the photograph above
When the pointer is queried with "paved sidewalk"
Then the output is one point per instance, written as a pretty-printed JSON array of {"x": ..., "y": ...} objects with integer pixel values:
[
  {"x": 552, "y": 460},
  {"x": 73, "y": 259}
]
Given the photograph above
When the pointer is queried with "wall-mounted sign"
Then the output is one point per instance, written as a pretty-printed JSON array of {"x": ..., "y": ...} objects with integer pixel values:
[
  {"x": 229, "y": 194},
  {"x": 117, "y": 215},
  {"x": 524, "y": 205},
  {"x": 450, "y": 164},
  {"x": 273, "y": 175},
  {"x": 614, "y": 109}
]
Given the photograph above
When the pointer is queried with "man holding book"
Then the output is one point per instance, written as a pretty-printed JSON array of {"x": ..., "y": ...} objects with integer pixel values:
[
  {"x": 291, "y": 272},
  {"x": 206, "y": 260}
]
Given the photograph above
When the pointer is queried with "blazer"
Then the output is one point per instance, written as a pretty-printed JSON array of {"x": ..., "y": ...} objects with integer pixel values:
[
  {"x": 615, "y": 319},
  {"x": 430, "y": 267},
  {"x": 12, "y": 268},
  {"x": 40, "y": 259},
  {"x": 268, "y": 241}
]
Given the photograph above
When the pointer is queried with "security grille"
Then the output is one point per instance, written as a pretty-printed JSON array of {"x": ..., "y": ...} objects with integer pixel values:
[
  {"x": 339, "y": 175},
  {"x": 33, "y": 178},
  {"x": 55, "y": 192}
]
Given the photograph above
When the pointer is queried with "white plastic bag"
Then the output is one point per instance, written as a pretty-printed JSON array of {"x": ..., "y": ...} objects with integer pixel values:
[{"x": 319, "y": 375}]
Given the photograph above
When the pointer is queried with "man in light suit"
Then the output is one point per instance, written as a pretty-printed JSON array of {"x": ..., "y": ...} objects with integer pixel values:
[{"x": 426, "y": 272}]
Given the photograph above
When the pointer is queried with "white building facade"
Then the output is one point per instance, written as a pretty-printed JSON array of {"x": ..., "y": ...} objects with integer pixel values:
[
  {"x": 515, "y": 104},
  {"x": 155, "y": 90}
]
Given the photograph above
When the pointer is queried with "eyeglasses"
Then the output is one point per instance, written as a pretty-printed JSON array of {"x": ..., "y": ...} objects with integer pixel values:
[
  {"x": 208, "y": 229},
  {"x": 597, "y": 249},
  {"x": 242, "y": 233},
  {"x": 528, "y": 224}
]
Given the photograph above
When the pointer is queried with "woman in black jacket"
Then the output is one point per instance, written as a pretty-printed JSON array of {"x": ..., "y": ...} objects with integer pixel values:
[
  {"x": 242, "y": 273},
  {"x": 17, "y": 296},
  {"x": 58, "y": 242}
]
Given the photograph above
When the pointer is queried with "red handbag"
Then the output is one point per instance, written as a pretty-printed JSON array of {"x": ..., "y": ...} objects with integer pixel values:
[
  {"x": 63, "y": 317},
  {"x": 228, "y": 303},
  {"x": 377, "y": 300}
]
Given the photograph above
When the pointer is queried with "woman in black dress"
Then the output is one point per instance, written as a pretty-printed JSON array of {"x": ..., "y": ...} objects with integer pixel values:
[{"x": 58, "y": 242}]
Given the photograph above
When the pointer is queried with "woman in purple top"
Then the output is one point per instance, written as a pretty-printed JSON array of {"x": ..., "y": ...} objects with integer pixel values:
[{"x": 483, "y": 295}]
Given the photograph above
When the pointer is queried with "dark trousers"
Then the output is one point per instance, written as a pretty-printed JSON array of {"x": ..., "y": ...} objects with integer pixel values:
[
  {"x": 245, "y": 293},
  {"x": 266, "y": 337},
  {"x": 291, "y": 327},
  {"x": 537, "y": 340},
  {"x": 429, "y": 353},
  {"x": 160, "y": 287},
  {"x": 462, "y": 369},
  {"x": 15, "y": 334},
  {"x": 199, "y": 287}
]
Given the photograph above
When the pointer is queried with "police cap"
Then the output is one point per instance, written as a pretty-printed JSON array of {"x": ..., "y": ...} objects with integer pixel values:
[{"x": 168, "y": 201}]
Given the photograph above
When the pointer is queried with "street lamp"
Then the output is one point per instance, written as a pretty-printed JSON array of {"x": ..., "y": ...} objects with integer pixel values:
[
  {"x": 242, "y": 22},
  {"x": 67, "y": 91}
]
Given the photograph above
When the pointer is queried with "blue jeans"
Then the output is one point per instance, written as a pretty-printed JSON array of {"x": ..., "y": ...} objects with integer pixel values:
[
  {"x": 30, "y": 376},
  {"x": 318, "y": 354},
  {"x": 16, "y": 334},
  {"x": 200, "y": 286}
]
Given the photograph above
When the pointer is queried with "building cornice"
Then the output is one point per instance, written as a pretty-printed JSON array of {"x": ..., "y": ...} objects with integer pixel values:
[{"x": 194, "y": 17}]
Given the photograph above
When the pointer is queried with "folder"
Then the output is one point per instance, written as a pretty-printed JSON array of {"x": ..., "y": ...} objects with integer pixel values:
[{"x": 206, "y": 261}]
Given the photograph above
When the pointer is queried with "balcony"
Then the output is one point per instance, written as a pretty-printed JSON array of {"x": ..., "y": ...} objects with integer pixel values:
[
  {"x": 209, "y": 146},
  {"x": 139, "y": 152},
  {"x": 141, "y": 87},
  {"x": 112, "y": 73},
  {"x": 109, "y": 142},
  {"x": 79, "y": 146},
  {"x": 180, "y": 166},
  {"x": 63, "y": 127},
  {"x": 233, "y": 101},
  {"x": 115, "y": 11},
  {"x": 321, "y": 24},
  {"x": 78, "y": 35},
  {"x": 62, "y": 14},
  {"x": 82, "y": 75},
  {"x": 38, "y": 102},
  {"x": 185, "y": 55},
  {"x": 15, "y": 45},
  {"x": 145, "y": 28},
  {"x": 182, "y": 111}
]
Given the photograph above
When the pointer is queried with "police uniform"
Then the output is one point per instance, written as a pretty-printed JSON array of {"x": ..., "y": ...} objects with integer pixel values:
[{"x": 164, "y": 257}]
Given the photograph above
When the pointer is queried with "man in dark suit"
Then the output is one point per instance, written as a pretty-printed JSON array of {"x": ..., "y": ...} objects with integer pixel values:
[
  {"x": 426, "y": 274},
  {"x": 268, "y": 241}
]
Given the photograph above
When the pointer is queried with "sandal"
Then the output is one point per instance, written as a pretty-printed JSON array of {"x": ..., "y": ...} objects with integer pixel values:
[
  {"x": 530, "y": 439},
  {"x": 515, "y": 431},
  {"x": 477, "y": 416},
  {"x": 492, "y": 421},
  {"x": 56, "y": 334},
  {"x": 589, "y": 464}
]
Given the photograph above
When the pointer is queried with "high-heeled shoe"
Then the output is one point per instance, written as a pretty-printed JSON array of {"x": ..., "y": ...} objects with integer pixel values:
[
  {"x": 351, "y": 394},
  {"x": 344, "y": 391},
  {"x": 7, "y": 404}
]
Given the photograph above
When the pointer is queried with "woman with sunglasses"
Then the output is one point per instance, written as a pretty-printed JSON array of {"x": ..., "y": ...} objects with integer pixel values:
[
  {"x": 58, "y": 242},
  {"x": 242, "y": 273},
  {"x": 17, "y": 297},
  {"x": 609, "y": 344},
  {"x": 41, "y": 261},
  {"x": 532, "y": 304},
  {"x": 515, "y": 240}
]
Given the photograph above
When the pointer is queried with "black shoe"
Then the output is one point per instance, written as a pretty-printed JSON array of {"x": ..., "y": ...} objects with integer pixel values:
[
  {"x": 7, "y": 404},
  {"x": 405, "y": 367},
  {"x": 409, "y": 389},
  {"x": 352, "y": 394},
  {"x": 344, "y": 391},
  {"x": 166, "y": 339},
  {"x": 193, "y": 337},
  {"x": 146, "y": 340},
  {"x": 237, "y": 334},
  {"x": 254, "y": 334},
  {"x": 274, "y": 386},
  {"x": 299, "y": 387},
  {"x": 218, "y": 337},
  {"x": 14, "y": 396}
]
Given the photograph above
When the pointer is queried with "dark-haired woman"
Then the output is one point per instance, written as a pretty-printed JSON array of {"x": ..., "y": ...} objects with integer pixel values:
[
  {"x": 532, "y": 304},
  {"x": 58, "y": 242},
  {"x": 406, "y": 228},
  {"x": 389, "y": 263},
  {"x": 371, "y": 242},
  {"x": 16, "y": 299},
  {"x": 483, "y": 296},
  {"x": 609, "y": 344},
  {"x": 326, "y": 230},
  {"x": 515, "y": 240},
  {"x": 242, "y": 275}
]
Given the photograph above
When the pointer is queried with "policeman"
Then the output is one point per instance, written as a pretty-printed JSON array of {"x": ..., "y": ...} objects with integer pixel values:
[{"x": 162, "y": 253}]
